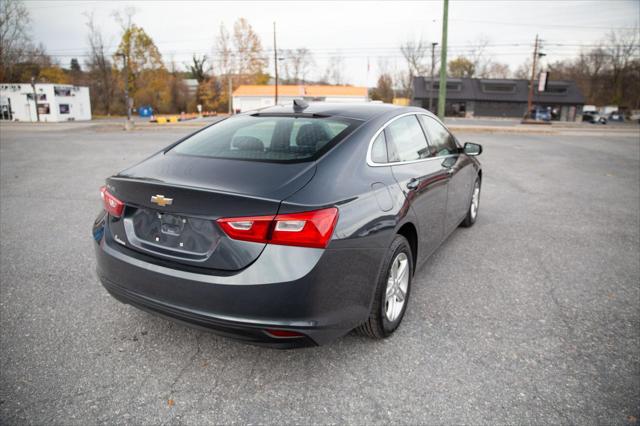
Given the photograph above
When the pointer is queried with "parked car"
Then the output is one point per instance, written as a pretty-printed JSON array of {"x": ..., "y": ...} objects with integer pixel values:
[
  {"x": 541, "y": 114},
  {"x": 616, "y": 116},
  {"x": 593, "y": 118},
  {"x": 289, "y": 226}
]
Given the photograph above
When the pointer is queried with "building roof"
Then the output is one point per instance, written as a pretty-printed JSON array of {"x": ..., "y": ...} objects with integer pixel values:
[
  {"x": 301, "y": 90},
  {"x": 475, "y": 89}
]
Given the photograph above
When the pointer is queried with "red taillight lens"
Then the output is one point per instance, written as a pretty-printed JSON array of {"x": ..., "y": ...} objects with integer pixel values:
[
  {"x": 254, "y": 228},
  {"x": 307, "y": 229},
  {"x": 112, "y": 205}
]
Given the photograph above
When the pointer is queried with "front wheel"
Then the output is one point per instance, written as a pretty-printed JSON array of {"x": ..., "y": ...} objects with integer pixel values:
[
  {"x": 474, "y": 205},
  {"x": 392, "y": 291}
]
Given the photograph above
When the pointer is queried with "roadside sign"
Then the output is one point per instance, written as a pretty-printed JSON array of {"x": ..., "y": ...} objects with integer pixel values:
[{"x": 542, "y": 81}]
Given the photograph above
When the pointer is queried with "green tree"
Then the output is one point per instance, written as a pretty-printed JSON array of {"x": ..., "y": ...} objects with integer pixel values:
[
  {"x": 461, "y": 67},
  {"x": 198, "y": 68}
]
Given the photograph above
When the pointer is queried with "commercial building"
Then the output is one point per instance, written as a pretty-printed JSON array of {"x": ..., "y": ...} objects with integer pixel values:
[
  {"x": 55, "y": 102},
  {"x": 250, "y": 97},
  {"x": 478, "y": 97}
]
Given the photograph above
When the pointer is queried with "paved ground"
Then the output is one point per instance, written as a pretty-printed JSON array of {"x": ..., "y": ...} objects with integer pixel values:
[{"x": 531, "y": 316}]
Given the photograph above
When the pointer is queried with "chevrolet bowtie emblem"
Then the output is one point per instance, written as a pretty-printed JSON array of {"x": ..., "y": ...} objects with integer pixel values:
[{"x": 161, "y": 200}]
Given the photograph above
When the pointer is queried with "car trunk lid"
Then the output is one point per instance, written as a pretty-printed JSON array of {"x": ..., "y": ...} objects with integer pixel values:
[{"x": 172, "y": 203}]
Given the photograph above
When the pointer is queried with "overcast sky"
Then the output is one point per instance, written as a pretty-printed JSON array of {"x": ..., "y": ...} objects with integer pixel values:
[{"x": 361, "y": 32}]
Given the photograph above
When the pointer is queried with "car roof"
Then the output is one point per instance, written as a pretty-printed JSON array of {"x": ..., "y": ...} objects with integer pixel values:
[{"x": 361, "y": 110}]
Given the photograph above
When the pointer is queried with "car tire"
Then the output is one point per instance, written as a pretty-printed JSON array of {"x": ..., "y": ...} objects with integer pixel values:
[
  {"x": 474, "y": 206},
  {"x": 386, "y": 311}
]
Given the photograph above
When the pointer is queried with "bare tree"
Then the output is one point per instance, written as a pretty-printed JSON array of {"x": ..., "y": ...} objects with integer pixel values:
[
  {"x": 99, "y": 67},
  {"x": 298, "y": 62},
  {"x": 335, "y": 73},
  {"x": 480, "y": 58},
  {"x": 15, "y": 40},
  {"x": 497, "y": 70},
  {"x": 523, "y": 72},
  {"x": 224, "y": 52},
  {"x": 415, "y": 54},
  {"x": 622, "y": 48}
]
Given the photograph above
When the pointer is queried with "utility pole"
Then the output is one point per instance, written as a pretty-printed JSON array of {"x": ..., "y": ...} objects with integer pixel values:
[
  {"x": 229, "y": 91},
  {"x": 275, "y": 61},
  {"x": 128, "y": 125},
  {"x": 35, "y": 97},
  {"x": 536, "y": 55},
  {"x": 533, "y": 75},
  {"x": 433, "y": 66},
  {"x": 442, "y": 93}
]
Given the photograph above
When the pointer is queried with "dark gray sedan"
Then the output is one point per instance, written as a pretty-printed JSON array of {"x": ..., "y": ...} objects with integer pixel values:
[{"x": 289, "y": 226}]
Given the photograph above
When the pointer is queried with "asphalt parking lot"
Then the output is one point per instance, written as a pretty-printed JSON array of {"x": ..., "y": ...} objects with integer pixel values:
[{"x": 530, "y": 316}]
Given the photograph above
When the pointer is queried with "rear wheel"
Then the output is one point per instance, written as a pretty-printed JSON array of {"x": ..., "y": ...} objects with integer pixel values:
[
  {"x": 474, "y": 205},
  {"x": 392, "y": 291}
]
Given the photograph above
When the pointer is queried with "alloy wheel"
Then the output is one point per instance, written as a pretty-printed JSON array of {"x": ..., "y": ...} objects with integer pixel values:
[{"x": 397, "y": 286}]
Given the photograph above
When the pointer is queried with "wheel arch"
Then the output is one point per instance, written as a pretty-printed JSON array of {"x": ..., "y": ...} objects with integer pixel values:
[{"x": 409, "y": 231}]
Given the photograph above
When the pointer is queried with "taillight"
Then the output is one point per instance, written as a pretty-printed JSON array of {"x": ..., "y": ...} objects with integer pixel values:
[
  {"x": 307, "y": 229},
  {"x": 112, "y": 205},
  {"x": 255, "y": 228}
]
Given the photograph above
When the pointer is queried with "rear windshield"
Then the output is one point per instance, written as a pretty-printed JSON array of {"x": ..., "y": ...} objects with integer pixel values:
[{"x": 267, "y": 138}]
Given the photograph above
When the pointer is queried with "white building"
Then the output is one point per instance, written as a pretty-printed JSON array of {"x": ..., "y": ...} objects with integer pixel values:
[
  {"x": 250, "y": 97},
  {"x": 56, "y": 102}
]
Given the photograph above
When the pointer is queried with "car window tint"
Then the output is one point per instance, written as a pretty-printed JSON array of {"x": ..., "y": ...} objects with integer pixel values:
[
  {"x": 379, "y": 149},
  {"x": 405, "y": 140},
  {"x": 322, "y": 132},
  {"x": 440, "y": 139},
  {"x": 266, "y": 138}
]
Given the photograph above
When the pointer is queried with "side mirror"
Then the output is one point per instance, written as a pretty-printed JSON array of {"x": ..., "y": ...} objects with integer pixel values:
[{"x": 472, "y": 149}]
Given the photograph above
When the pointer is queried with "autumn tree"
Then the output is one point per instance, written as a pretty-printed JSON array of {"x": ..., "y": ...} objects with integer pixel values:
[
  {"x": 53, "y": 74},
  {"x": 461, "y": 67},
  {"x": 138, "y": 57},
  {"x": 240, "y": 58},
  {"x": 384, "y": 90}
]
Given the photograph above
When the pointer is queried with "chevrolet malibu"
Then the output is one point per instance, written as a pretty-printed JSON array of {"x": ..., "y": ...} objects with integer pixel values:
[{"x": 290, "y": 226}]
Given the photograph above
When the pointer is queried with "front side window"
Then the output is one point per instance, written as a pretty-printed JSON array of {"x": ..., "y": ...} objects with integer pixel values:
[
  {"x": 441, "y": 141},
  {"x": 64, "y": 108},
  {"x": 267, "y": 138},
  {"x": 405, "y": 140}
]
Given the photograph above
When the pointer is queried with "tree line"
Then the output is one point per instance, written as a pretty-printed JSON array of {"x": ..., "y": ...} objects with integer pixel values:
[{"x": 608, "y": 73}]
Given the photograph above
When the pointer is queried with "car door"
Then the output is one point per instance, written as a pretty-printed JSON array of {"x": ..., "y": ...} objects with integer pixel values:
[
  {"x": 423, "y": 179},
  {"x": 459, "y": 168}
]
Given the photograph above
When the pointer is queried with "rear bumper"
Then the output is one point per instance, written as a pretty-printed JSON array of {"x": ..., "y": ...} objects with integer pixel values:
[{"x": 322, "y": 294}]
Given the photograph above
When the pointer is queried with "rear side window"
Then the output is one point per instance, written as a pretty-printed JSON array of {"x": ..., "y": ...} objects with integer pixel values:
[
  {"x": 267, "y": 138},
  {"x": 439, "y": 137},
  {"x": 406, "y": 140},
  {"x": 379, "y": 149}
]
